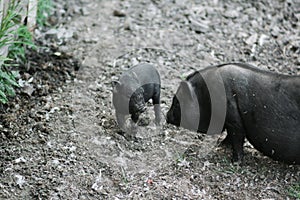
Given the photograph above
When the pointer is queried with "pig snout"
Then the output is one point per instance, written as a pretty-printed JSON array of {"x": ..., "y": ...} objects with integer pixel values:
[
  {"x": 174, "y": 113},
  {"x": 171, "y": 118}
]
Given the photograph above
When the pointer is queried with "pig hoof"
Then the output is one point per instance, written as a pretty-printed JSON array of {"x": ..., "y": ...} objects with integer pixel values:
[
  {"x": 157, "y": 123},
  {"x": 225, "y": 143},
  {"x": 121, "y": 130},
  {"x": 158, "y": 130},
  {"x": 236, "y": 162},
  {"x": 133, "y": 129},
  {"x": 237, "y": 159},
  {"x": 143, "y": 122}
]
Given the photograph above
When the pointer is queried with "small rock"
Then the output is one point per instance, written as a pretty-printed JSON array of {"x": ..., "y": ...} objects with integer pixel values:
[
  {"x": 84, "y": 11},
  {"x": 64, "y": 33},
  {"x": 118, "y": 13},
  {"x": 53, "y": 20},
  {"x": 93, "y": 61},
  {"x": 54, "y": 109},
  {"x": 91, "y": 40},
  {"x": 20, "y": 160},
  {"x": 242, "y": 34},
  {"x": 28, "y": 89},
  {"x": 55, "y": 161},
  {"x": 199, "y": 26},
  {"x": 275, "y": 31},
  {"x": 51, "y": 34},
  {"x": 77, "y": 9},
  {"x": 128, "y": 24},
  {"x": 231, "y": 14},
  {"x": 20, "y": 180},
  {"x": 252, "y": 39},
  {"x": 58, "y": 54},
  {"x": 262, "y": 39}
]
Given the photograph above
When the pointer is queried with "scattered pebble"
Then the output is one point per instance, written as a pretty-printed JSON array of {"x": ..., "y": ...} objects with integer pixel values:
[{"x": 119, "y": 13}]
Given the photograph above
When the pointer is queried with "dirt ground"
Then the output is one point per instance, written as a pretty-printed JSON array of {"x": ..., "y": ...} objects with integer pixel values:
[{"x": 59, "y": 138}]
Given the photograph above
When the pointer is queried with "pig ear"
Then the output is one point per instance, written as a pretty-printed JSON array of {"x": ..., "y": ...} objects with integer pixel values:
[{"x": 185, "y": 90}]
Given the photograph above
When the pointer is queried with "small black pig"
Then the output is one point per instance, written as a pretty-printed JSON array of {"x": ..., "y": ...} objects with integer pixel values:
[
  {"x": 135, "y": 87},
  {"x": 262, "y": 106}
]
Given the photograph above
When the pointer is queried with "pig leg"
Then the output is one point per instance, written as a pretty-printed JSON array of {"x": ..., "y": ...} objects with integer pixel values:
[
  {"x": 237, "y": 137},
  {"x": 227, "y": 141},
  {"x": 157, "y": 114},
  {"x": 156, "y": 102},
  {"x": 135, "y": 117},
  {"x": 133, "y": 126},
  {"x": 121, "y": 120},
  {"x": 235, "y": 130}
]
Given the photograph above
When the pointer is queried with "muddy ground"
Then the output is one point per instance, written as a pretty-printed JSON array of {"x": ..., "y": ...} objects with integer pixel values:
[{"x": 59, "y": 138}]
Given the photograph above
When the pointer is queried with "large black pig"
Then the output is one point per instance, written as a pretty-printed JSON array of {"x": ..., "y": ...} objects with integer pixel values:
[
  {"x": 135, "y": 87},
  {"x": 262, "y": 106}
]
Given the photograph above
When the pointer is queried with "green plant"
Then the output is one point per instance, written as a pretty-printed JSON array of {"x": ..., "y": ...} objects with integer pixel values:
[
  {"x": 7, "y": 84},
  {"x": 7, "y": 30},
  {"x": 8, "y": 23},
  {"x": 230, "y": 168},
  {"x": 23, "y": 39},
  {"x": 15, "y": 37},
  {"x": 294, "y": 191},
  {"x": 44, "y": 10}
]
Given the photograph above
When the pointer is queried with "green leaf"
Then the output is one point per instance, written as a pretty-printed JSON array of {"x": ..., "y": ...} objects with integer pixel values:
[
  {"x": 3, "y": 98},
  {"x": 8, "y": 79},
  {"x": 10, "y": 90}
]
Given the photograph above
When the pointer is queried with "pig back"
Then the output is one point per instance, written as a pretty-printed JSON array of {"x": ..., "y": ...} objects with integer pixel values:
[{"x": 146, "y": 73}]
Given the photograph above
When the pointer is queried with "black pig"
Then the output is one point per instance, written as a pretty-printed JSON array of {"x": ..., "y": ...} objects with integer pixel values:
[
  {"x": 262, "y": 106},
  {"x": 135, "y": 87}
]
